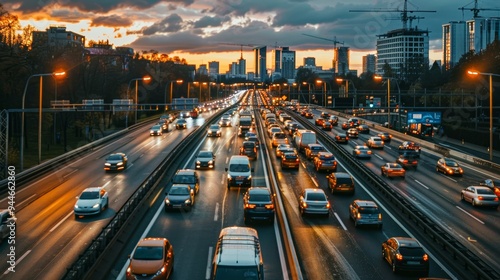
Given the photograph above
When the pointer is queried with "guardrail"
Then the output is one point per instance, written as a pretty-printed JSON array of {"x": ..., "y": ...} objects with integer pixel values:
[
  {"x": 94, "y": 253},
  {"x": 473, "y": 265}
]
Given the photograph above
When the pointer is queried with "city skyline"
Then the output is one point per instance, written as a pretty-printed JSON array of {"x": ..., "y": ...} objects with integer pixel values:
[{"x": 199, "y": 31}]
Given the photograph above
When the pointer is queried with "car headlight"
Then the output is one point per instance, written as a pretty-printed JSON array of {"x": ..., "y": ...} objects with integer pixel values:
[
  {"x": 107, "y": 164},
  {"x": 198, "y": 162},
  {"x": 96, "y": 205},
  {"x": 76, "y": 206},
  {"x": 161, "y": 271},
  {"x": 187, "y": 201},
  {"x": 167, "y": 201},
  {"x": 229, "y": 177},
  {"x": 120, "y": 163},
  {"x": 151, "y": 131},
  {"x": 249, "y": 177},
  {"x": 211, "y": 162}
]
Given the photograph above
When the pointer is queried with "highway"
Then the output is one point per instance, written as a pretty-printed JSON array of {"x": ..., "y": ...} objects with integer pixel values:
[{"x": 327, "y": 248}]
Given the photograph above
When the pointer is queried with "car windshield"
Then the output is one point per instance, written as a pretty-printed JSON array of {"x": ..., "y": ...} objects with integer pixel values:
[
  {"x": 156, "y": 127},
  {"x": 90, "y": 195},
  {"x": 237, "y": 272},
  {"x": 344, "y": 181},
  {"x": 115, "y": 157},
  {"x": 290, "y": 156},
  {"x": 279, "y": 136},
  {"x": 484, "y": 191},
  {"x": 317, "y": 148},
  {"x": 327, "y": 157},
  {"x": 411, "y": 251},
  {"x": 316, "y": 197},
  {"x": 178, "y": 191},
  {"x": 147, "y": 253},
  {"x": 214, "y": 127},
  {"x": 205, "y": 154},
  {"x": 181, "y": 121},
  {"x": 376, "y": 139},
  {"x": 451, "y": 163},
  {"x": 368, "y": 210},
  {"x": 260, "y": 197},
  {"x": 184, "y": 179},
  {"x": 249, "y": 145},
  {"x": 239, "y": 168},
  {"x": 394, "y": 165}
]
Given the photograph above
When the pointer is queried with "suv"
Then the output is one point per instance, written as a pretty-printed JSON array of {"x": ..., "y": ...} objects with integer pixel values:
[
  {"x": 237, "y": 255},
  {"x": 187, "y": 177},
  {"x": 249, "y": 149},
  {"x": 405, "y": 253},
  {"x": 325, "y": 161},
  {"x": 340, "y": 182},
  {"x": 365, "y": 212},
  {"x": 151, "y": 256},
  {"x": 258, "y": 204},
  {"x": 408, "y": 159},
  {"x": 408, "y": 145},
  {"x": 312, "y": 150}
]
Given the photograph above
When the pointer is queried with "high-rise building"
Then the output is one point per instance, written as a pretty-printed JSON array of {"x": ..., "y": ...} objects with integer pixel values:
[
  {"x": 260, "y": 63},
  {"x": 287, "y": 63},
  {"x": 460, "y": 37},
  {"x": 309, "y": 62},
  {"x": 202, "y": 69},
  {"x": 276, "y": 60},
  {"x": 341, "y": 62},
  {"x": 213, "y": 69},
  {"x": 406, "y": 51},
  {"x": 57, "y": 37},
  {"x": 369, "y": 62}
]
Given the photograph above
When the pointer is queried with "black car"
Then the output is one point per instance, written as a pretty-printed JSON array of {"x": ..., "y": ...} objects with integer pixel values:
[
  {"x": 180, "y": 124},
  {"x": 205, "y": 159},
  {"x": 405, "y": 254},
  {"x": 249, "y": 149},
  {"x": 408, "y": 159},
  {"x": 116, "y": 162},
  {"x": 258, "y": 204}
]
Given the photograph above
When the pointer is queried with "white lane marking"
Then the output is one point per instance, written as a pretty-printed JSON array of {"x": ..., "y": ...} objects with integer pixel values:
[
  {"x": 25, "y": 200},
  {"x": 418, "y": 182},
  {"x": 340, "y": 221},
  {"x": 388, "y": 147},
  {"x": 216, "y": 215},
  {"x": 209, "y": 262},
  {"x": 448, "y": 177},
  {"x": 222, "y": 179},
  {"x": 61, "y": 221},
  {"x": 470, "y": 215},
  {"x": 315, "y": 183},
  {"x": 379, "y": 157},
  {"x": 19, "y": 260},
  {"x": 67, "y": 175}
]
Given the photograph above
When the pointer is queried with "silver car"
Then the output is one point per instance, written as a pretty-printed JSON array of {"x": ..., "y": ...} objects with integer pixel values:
[
  {"x": 365, "y": 212},
  {"x": 314, "y": 201},
  {"x": 480, "y": 196},
  {"x": 92, "y": 201},
  {"x": 375, "y": 142}
]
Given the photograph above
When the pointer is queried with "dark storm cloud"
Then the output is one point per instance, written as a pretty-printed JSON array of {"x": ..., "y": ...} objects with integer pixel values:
[
  {"x": 171, "y": 23},
  {"x": 31, "y": 6},
  {"x": 111, "y": 21},
  {"x": 208, "y": 21}
]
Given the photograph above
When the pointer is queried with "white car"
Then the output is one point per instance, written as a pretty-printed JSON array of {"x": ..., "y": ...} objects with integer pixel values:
[
  {"x": 91, "y": 201},
  {"x": 375, "y": 142}
]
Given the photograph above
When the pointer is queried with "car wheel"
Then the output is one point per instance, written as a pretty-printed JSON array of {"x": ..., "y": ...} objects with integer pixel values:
[
  {"x": 302, "y": 213},
  {"x": 394, "y": 268},
  {"x": 462, "y": 197},
  {"x": 437, "y": 169},
  {"x": 474, "y": 202}
]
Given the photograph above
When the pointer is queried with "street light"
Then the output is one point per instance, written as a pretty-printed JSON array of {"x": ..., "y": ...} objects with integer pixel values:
[
  {"x": 54, "y": 74},
  {"x": 136, "y": 93},
  {"x": 324, "y": 90},
  {"x": 171, "y": 90},
  {"x": 389, "y": 98},
  {"x": 475, "y": 73}
]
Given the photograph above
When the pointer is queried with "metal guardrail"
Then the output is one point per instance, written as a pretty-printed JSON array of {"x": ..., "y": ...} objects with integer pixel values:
[
  {"x": 474, "y": 266},
  {"x": 108, "y": 236}
]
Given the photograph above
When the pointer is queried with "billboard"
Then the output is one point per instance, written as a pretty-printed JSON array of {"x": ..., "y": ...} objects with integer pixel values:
[{"x": 433, "y": 118}]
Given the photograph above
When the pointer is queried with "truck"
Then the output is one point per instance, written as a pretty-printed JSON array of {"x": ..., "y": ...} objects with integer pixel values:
[
  {"x": 244, "y": 125},
  {"x": 304, "y": 137}
]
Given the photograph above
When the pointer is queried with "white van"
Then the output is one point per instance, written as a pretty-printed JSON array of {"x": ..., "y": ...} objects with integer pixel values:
[
  {"x": 304, "y": 137},
  {"x": 238, "y": 255},
  {"x": 239, "y": 172}
]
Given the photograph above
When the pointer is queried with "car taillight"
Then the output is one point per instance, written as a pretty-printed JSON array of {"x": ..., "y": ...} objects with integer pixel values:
[
  {"x": 249, "y": 206},
  {"x": 399, "y": 257},
  {"x": 405, "y": 161},
  {"x": 480, "y": 197},
  {"x": 358, "y": 216},
  {"x": 380, "y": 216},
  {"x": 495, "y": 199},
  {"x": 270, "y": 206},
  {"x": 425, "y": 257},
  {"x": 358, "y": 152},
  {"x": 328, "y": 205},
  {"x": 346, "y": 138}
]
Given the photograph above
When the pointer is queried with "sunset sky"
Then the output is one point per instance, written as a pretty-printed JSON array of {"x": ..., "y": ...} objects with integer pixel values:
[{"x": 203, "y": 30}]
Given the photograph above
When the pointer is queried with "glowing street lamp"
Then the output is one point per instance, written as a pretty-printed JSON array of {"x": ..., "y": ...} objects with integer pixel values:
[
  {"x": 171, "y": 90},
  {"x": 146, "y": 78},
  {"x": 490, "y": 75}
]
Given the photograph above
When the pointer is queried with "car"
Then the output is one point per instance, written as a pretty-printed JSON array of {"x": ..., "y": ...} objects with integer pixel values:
[
  {"x": 312, "y": 150},
  {"x": 341, "y": 138},
  {"x": 408, "y": 160},
  {"x": 116, "y": 162},
  {"x": 156, "y": 130},
  {"x": 152, "y": 256},
  {"x": 352, "y": 132},
  {"x": 365, "y": 212},
  {"x": 308, "y": 115},
  {"x": 327, "y": 126},
  {"x": 449, "y": 166},
  {"x": 91, "y": 201},
  {"x": 282, "y": 147},
  {"x": 362, "y": 152},
  {"x": 180, "y": 124},
  {"x": 225, "y": 120},
  {"x": 385, "y": 136},
  {"x": 408, "y": 145},
  {"x": 290, "y": 160},
  {"x": 405, "y": 254},
  {"x": 185, "y": 114},
  {"x": 258, "y": 204},
  {"x": 314, "y": 201},
  {"x": 164, "y": 125},
  {"x": 340, "y": 182},
  {"x": 353, "y": 122},
  {"x": 189, "y": 177},
  {"x": 205, "y": 159},
  {"x": 495, "y": 186},
  {"x": 345, "y": 126},
  {"x": 180, "y": 196},
  {"x": 7, "y": 222},
  {"x": 363, "y": 128},
  {"x": 249, "y": 149},
  {"x": 480, "y": 196},
  {"x": 392, "y": 169},
  {"x": 214, "y": 130},
  {"x": 254, "y": 139},
  {"x": 334, "y": 120},
  {"x": 325, "y": 161},
  {"x": 278, "y": 138},
  {"x": 325, "y": 115},
  {"x": 273, "y": 130},
  {"x": 249, "y": 134},
  {"x": 293, "y": 127},
  {"x": 319, "y": 121},
  {"x": 375, "y": 142}
]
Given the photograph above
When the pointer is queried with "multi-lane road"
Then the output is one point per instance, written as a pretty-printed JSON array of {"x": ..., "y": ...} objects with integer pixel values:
[{"x": 49, "y": 238}]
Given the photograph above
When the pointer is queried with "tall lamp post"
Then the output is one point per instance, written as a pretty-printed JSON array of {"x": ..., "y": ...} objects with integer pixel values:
[
  {"x": 324, "y": 90},
  {"x": 388, "y": 79},
  {"x": 136, "y": 93},
  {"x": 490, "y": 75},
  {"x": 171, "y": 91},
  {"x": 54, "y": 74}
]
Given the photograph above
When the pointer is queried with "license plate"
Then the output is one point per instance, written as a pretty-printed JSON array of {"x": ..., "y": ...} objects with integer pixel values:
[{"x": 413, "y": 262}]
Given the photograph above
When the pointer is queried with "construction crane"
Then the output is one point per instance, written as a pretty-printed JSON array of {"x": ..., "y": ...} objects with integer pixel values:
[
  {"x": 335, "y": 42},
  {"x": 404, "y": 13},
  {"x": 410, "y": 19},
  {"x": 476, "y": 10},
  {"x": 241, "y": 47}
]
